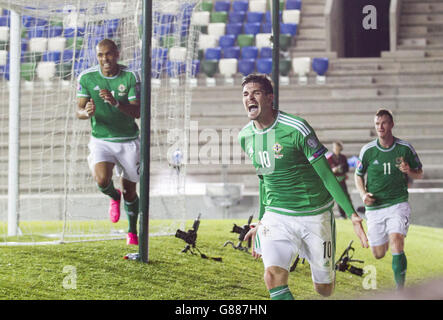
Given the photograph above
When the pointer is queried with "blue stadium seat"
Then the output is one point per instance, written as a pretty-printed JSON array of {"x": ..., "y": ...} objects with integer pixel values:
[
  {"x": 288, "y": 28},
  {"x": 175, "y": 68},
  {"x": 268, "y": 16},
  {"x": 293, "y": 5},
  {"x": 213, "y": 53},
  {"x": 52, "y": 56},
  {"x": 67, "y": 55},
  {"x": 320, "y": 65},
  {"x": 72, "y": 32},
  {"x": 222, "y": 5},
  {"x": 254, "y": 16},
  {"x": 251, "y": 28},
  {"x": 266, "y": 27},
  {"x": 4, "y": 71},
  {"x": 228, "y": 40},
  {"x": 195, "y": 68},
  {"x": 249, "y": 52},
  {"x": 55, "y": 31},
  {"x": 5, "y": 21},
  {"x": 264, "y": 65},
  {"x": 156, "y": 68},
  {"x": 246, "y": 66},
  {"x": 234, "y": 28},
  {"x": 236, "y": 16},
  {"x": 28, "y": 21},
  {"x": 231, "y": 52},
  {"x": 163, "y": 29},
  {"x": 266, "y": 52},
  {"x": 240, "y": 5},
  {"x": 166, "y": 18}
]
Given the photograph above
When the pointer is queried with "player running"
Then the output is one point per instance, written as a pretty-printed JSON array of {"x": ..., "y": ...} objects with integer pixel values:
[
  {"x": 387, "y": 161},
  {"x": 108, "y": 96},
  {"x": 296, "y": 184}
]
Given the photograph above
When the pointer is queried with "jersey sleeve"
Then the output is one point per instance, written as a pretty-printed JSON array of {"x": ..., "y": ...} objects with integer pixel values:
[
  {"x": 307, "y": 142},
  {"x": 412, "y": 159},
  {"x": 134, "y": 87},
  {"x": 361, "y": 166},
  {"x": 82, "y": 90}
]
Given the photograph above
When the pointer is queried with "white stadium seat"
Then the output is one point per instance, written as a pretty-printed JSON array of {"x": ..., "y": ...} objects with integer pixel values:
[
  {"x": 207, "y": 41},
  {"x": 4, "y": 33},
  {"x": 177, "y": 54},
  {"x": 116, "y": 7},
  {"x": 263, "y": 40},
  {"x": 301, "y": 67},
  {"x": 38, "y": 44},
  {"x": 227, "y": 68},
  {"x": 291, "y": 16},
  {"x": 217, "y": 29},
  {"x": 257, "y": 5},
  {"x": 56, "y": 44},
  {"x": 3, "y": 57},
  {"x": 200, "y": 18},
  {"x": 46, "y": 70}
]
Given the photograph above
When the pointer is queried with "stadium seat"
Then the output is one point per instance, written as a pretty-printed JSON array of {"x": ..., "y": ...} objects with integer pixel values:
[
  {"x": 207, "y": 41},
  {"x": 268, "y": 16},
  {"x": 293, "y": 4},
  {"x": 219, "y": 16},
  {"x": 54, "y": 56},
  {"x": 227, "y": 68},
  {"x": 3, "y": 57},
  {"x": 234, "y": 28},
  {"x": 240, "y": 5},
  {"x": 285, "y": 41},
  {"x": 266, "y": 27},
  {"x": 263, "y": 40},
  {"x": 200, "y": 18},
  {"x": 46, "y": 70},
  {"x": 163, "y": 29},
  {"x": 28, "y": 21},
  {"x": 195, "y": 68},
  {"x": 231, "y": 52},
  {"x": 55, "y": 31},
  {"x": 63, "y": 70},
  {"x": 245, "y": 40},
  {"x": 264, "y": 65},
  {"x": 253, "y": 16},
  {"x": 206, "y": 6},
  {"x": 67, "y": 55},
  {"x": 4, "y": 21},
  {"x": 227, "y": 40},
  {"x": 236, "y": 16},
  {"x": 266, "y": 52},
  {"x": 175, "y": 68},
  {"x": 56, "y": 44},
  {"x": 177, "y": 54},
  {"x": 159, "y": 57},
  {"x": 38, "y": 44},
  {"x": 249, "y": 52},
  {"x": 246, "y": 66},
  {"x": 288, "y": 28},
  {"x": 27, "y": 71},
  {"x": 73, "y": 32},
  {"x": 251, "y": 28},
  {"x": 37, "y": 32},
  {"x": 74, "y": 43},
  {"x": 115, "y": 7},
  {"x": 4, "y": 33},
  {"x": 301, "y": 67},
  {"x": 213, "y": 53},
  {"x": 220, "y": 5},
  {"x": 257, "y": 5},
  {"x": 291, "y": 16},
  {"x": 284, "y": 68},
  {"x": 209, "y": 68},
  {"x": 320, "y": 66},
  {"x": 217, "y": 29}
]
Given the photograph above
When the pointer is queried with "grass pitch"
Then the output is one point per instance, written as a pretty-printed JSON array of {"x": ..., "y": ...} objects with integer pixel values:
[{"x": 97, "y": 270}]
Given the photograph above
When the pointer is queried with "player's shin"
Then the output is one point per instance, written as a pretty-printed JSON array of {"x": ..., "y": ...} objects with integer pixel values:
[
  {"x": 399, "y": 266},
  {"x": 110, "y": 191},
  {"x": 132, "y": 209}
]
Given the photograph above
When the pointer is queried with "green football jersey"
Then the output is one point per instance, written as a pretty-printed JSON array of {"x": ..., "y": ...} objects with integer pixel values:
[
  {"x": 384, "y": 179},
  {"x": 282, "y": 156},
  {"x": 108, "y": 123}
]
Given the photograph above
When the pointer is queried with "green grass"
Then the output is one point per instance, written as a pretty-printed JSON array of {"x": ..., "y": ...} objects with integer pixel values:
[{"x": 36, "y": 272}]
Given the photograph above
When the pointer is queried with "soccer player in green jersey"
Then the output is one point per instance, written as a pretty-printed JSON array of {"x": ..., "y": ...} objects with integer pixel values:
[
  {"x": 108, "y": 97},
  {"x": 387, "y": 161},
  {"x": 296, "y": 193}
]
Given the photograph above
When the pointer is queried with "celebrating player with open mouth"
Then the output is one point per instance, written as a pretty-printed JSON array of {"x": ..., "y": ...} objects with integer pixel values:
[{"x": 296, "y": 184}]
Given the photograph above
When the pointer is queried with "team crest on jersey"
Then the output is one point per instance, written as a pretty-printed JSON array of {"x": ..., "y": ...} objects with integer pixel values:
[
  {"x": 312, "y": 142},
  {"x": 359, "y": 165},
  {"x": 122, "y": 89},
  {"x": 277, "y": 149}
]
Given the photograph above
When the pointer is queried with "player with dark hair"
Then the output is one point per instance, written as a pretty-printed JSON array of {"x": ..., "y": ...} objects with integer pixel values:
[
  {"x": 295, "y": 188},
  {"x": 388, "y": 162},
  {"x": 108, "y": 96}
]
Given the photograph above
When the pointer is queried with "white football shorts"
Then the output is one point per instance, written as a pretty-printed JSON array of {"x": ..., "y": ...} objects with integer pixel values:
[
  {"x": 382, "y": 222},
  {"x": 125, "y": 156},
  {"x": 281, "y": 237}
]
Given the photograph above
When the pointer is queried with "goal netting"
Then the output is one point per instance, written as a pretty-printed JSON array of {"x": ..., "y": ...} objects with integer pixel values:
[{"x": 58, "y": 200}]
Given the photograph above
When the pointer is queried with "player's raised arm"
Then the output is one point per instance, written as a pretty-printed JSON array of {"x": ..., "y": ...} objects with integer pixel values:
[{"x": 85, "y": 108}]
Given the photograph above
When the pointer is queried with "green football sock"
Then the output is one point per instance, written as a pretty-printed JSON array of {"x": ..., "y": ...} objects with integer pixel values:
[
  {"x": 281, "y": 293},
  {"x": 131, "y": 209},
  {"x": 399, "y": 266},
  {"x": 110, "y": 191}
]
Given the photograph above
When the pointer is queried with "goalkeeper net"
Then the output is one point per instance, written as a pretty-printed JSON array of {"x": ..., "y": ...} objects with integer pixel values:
[{"x": 58, "y": 200}]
